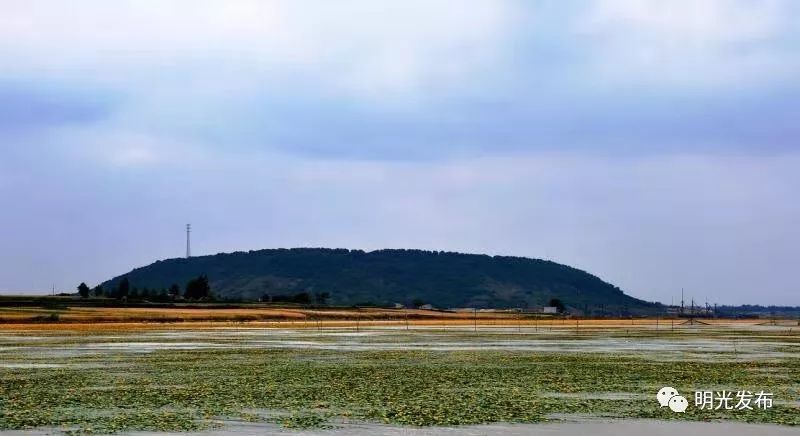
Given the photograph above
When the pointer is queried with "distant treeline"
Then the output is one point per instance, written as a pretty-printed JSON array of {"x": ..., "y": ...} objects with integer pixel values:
[
  {"x": 299, "y": 298},
  {"x": 197, "y": 288},
  {"x": 757, "y": 310}
]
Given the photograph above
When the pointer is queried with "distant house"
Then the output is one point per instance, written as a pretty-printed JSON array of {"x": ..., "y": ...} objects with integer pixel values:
[
  {"x": 426, "y": 307},
  {"x": 399, "y": 306},
  {"x": 549, "y": 309}
]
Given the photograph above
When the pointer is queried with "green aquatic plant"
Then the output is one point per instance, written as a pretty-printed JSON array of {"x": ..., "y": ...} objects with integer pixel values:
[{"x": 187, "y": 390}]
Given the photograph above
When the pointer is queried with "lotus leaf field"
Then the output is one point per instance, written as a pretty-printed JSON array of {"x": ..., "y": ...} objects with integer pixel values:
[{"x": 75, "y": 380}]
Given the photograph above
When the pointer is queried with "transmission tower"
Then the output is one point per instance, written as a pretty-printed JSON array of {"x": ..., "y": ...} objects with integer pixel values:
[{"x": 188, "y": 241}]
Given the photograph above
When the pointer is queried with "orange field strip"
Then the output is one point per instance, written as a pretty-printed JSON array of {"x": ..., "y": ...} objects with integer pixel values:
[{"x": 299, "y": 317}]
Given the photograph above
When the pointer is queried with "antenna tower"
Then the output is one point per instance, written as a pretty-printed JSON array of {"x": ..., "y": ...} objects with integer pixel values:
[{"x": 188, "y": 241}]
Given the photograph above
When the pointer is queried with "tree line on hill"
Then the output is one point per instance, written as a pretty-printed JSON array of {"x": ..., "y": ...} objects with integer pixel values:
[
  {"x": 197, "y": 289},
  {"x": 318, "y": 298}
]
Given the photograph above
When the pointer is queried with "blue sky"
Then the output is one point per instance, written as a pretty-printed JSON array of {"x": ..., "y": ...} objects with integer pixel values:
[{"x": 653, "y": 144}]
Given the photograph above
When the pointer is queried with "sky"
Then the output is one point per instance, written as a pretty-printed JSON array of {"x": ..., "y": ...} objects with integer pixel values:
[{"x": 653, "y": 144}]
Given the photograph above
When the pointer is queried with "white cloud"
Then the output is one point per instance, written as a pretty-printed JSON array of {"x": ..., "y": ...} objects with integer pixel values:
[
  {"x": 704, "y": 22},
  {"x": 133, "y": 155},
  {"x": 362, "y": 46},
  {"x": 117, "y": 148},
  {"x": 688, "y": 41}
]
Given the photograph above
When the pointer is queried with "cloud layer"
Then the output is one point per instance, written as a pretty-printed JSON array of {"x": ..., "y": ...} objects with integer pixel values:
[{"x": 651, "y": 143}]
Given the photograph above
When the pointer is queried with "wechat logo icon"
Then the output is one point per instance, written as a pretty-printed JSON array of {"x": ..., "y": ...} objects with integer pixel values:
[{"x": 669, "y": 397}]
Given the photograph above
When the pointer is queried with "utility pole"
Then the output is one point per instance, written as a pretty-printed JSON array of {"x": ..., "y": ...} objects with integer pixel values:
[{"x": 188, "y": 241}]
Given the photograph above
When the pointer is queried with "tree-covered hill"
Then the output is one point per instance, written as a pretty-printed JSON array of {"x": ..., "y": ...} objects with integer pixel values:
[{"x": 352, "y": 277}]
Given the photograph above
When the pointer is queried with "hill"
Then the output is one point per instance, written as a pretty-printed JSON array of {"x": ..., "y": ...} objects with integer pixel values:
[{"x": 353, "y": 277}]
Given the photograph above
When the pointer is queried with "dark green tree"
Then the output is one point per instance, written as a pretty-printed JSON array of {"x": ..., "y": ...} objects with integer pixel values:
[
  {"x": 198, "y": 288},
  {"x": 124, "y": 288},
  {"x": 302, "y": 298},
  {"x": 174, "y": 290},
  {"x": 98, "y": 291},
  {"x": 555, "y": 302},
  {"x": 417, "y": 302},
  {"x": 322, "y": 298},
  {"x": 83, "y": 290}
]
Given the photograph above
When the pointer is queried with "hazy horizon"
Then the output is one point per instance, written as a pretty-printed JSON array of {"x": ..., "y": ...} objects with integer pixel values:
[{"x": 652, "y": 144}]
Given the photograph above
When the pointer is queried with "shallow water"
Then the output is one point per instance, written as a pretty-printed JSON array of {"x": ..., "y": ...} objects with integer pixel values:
[
  {"x": 689, "y": 344},
  {"x": 116, "y": 349}
]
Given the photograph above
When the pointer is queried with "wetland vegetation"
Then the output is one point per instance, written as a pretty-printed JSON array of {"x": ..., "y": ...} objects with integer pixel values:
[{"x": 165, "y": 380}]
